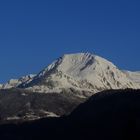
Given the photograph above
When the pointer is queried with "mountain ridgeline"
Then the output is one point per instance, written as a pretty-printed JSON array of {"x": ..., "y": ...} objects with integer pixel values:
[{"x": 81, "y": 71}]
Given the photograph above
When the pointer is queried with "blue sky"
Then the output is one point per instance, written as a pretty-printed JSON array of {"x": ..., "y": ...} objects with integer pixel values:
[{"x": 34, "y": 33}]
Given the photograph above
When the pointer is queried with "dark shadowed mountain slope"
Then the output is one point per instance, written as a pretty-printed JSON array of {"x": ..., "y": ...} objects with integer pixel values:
[
  {"x": 19, "y": 104},
  {"x": 109, "y": 115},
  {"x": 113, "y": 114}
]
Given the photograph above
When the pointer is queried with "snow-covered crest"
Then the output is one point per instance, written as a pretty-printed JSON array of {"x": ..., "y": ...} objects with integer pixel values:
[
  {"x": 81, "y": 71},
  {"x": 75, "y": 64}
]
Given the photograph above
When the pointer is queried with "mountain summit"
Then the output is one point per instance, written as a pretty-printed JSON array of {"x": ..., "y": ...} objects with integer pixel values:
[{"x": 82, "y": 72}]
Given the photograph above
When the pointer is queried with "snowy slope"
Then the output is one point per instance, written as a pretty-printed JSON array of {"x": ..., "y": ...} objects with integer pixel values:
[
  {"x": 82, "y": 71},
  {"x": 16, "y": 82},
  {"x": 134, "y": 76}
]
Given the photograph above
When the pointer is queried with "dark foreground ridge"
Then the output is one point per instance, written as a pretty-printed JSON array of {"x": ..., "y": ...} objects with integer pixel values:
[{"x": 109, "y": 115}]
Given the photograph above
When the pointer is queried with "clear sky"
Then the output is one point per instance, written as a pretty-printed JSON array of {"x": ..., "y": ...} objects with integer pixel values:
[{"x": 35, "y": 32}]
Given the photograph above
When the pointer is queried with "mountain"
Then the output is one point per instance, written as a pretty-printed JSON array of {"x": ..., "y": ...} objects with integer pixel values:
[
  {"x": 16, "y": 82},
  {"x": 82, "y": 72},
  {"x": 108, "y": 115},
  {"x": 134, "y": 76},
  {"x": 68, "y": 81}
]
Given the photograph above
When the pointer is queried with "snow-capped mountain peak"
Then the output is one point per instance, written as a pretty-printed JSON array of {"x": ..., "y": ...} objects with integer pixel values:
[
  {"x": 75, "y": 64},
  {"x": 80, "y": 71}
]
